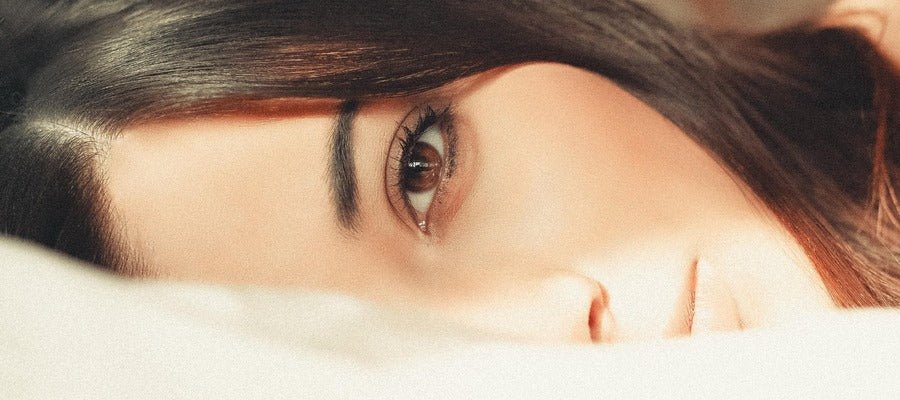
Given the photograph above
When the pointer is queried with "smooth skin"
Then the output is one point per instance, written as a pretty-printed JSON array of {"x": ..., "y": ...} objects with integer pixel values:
[{"x": 576, "y": 213}]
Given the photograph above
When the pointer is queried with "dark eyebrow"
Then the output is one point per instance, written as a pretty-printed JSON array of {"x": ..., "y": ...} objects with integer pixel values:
[{"x": 342, "y": 171}]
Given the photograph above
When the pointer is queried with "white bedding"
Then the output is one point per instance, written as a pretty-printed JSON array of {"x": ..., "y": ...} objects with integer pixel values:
[{"x": 68, "y": 331}]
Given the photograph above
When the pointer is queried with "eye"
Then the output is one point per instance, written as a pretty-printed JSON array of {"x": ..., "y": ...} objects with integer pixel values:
[
  {"x": 423, "y": 156},
  {"x": 420, "y": 169}
]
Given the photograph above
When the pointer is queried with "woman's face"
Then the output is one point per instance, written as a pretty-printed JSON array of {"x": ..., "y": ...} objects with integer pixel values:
[{"x": 537, "y": 201}]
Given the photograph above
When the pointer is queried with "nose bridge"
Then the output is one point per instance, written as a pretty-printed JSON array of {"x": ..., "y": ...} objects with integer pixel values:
[{"x": 553, "y": 306}]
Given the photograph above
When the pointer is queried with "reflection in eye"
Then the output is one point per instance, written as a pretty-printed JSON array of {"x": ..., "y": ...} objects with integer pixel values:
[{"x": 423, "y": 157}]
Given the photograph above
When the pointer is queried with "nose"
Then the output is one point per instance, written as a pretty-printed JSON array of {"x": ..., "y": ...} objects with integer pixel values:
[{"x": 559, "y": 306}]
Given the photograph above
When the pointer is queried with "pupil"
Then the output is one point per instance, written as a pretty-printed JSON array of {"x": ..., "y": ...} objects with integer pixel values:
[{"x": 423, "y": 169}]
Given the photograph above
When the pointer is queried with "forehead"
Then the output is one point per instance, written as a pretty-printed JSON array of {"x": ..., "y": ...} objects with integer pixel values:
[{"x": 187, "y": 189}]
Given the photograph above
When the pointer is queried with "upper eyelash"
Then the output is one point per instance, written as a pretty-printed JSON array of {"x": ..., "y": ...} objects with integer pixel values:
[{"x": 427, "y": 118}]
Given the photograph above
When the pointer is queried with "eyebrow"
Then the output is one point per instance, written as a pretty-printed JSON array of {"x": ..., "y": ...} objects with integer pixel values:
[{"x": 341, "y": 168}]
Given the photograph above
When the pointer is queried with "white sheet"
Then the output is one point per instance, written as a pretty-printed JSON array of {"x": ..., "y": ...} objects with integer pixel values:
[{"x": 68, "y": 331}]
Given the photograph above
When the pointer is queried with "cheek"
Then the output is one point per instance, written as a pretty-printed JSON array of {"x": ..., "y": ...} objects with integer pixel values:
[{"x": 581, "y": 168}]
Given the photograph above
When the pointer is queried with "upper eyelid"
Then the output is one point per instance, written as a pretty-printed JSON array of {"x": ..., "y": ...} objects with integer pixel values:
[
  {"x": 405, "y": 117},
  {"x": 443, "y": 113}
]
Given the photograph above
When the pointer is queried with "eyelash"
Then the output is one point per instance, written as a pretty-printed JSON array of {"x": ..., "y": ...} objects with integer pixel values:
[
  {"x": 426, "y": 119},
  {"x": 409, "y": 136}
]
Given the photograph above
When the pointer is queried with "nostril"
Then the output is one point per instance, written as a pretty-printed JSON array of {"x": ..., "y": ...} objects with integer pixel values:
[
  {"x": 584, "y": 300},
  {"x": 554, "y": 306},
  {"x": 599, "y": 306}
]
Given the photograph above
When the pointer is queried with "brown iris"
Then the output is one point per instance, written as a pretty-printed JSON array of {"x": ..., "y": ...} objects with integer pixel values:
[{"x": 422, "y": 170}]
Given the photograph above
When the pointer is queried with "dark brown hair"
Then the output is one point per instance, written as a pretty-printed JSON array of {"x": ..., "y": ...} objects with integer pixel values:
[{"x": 807, "y": 117}]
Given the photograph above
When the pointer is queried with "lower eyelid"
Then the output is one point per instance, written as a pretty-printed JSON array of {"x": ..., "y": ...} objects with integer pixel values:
[
  {"x": 452, "y": 145},
  {"x": 460, "y": 176}
]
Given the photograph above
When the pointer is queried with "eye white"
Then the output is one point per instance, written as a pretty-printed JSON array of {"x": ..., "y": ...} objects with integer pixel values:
[
  {"x": 433, "y": 136},
  {"x": 421, "y": 201}
]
